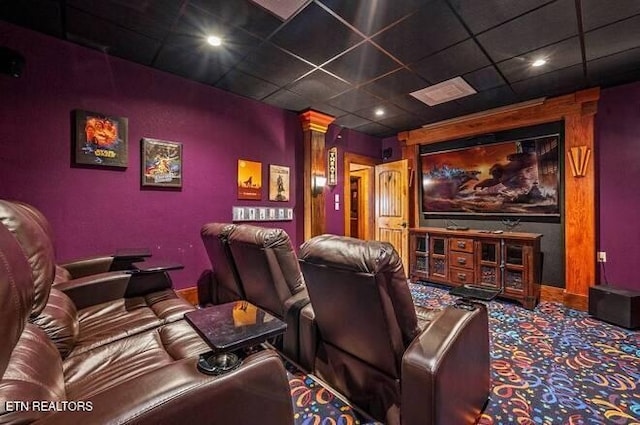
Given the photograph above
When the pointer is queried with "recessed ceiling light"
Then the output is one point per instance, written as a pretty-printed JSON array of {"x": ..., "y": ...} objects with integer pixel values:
[
  {"x": 539, "y": 62},
  {"x": 379, "y": 112},
  {"x": 214, "y": 40}
]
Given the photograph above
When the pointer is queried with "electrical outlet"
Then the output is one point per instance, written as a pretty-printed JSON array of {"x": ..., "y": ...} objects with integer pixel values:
[{"x": 602, "y": 257}]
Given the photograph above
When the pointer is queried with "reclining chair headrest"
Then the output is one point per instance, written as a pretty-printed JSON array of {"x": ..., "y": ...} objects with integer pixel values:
[
  {"x": 36, "y": 246},
  {"x": 16, "y": 294}
]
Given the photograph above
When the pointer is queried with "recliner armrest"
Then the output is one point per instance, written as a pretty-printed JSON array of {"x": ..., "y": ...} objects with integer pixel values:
[
  {"x": 446, "y": 369},
  {"x": 87, "y": 266},
  {"x": 256, "y": 392},
  {"x": 103, "y": 287}
]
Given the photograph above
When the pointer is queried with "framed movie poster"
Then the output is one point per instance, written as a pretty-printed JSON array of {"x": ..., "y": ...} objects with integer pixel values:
[
  {"x": 249, "y": 180},
  {"x": 161, "y": 163},
  {"x": 100, "y": 140},
  {"x": 278, "y": 183}
]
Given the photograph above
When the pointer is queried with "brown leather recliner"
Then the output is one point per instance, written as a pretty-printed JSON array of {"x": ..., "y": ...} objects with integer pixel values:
[
  {"x": 81, "y": 314},
  {"x": 220, "y": 284},
  {"x": 373, "y": 348},
  {"x": 147, "y": 378},
  {"x": 86, "y": 266},
  {"x": 266, "y": 271}
]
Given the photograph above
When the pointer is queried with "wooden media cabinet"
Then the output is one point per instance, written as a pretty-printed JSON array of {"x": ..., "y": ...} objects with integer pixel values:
[{"x": 508, "y": 261}]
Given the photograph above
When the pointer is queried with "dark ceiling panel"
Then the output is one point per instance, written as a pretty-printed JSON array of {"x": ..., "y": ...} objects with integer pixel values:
[
  {"x": 40, "y": 15},
  {"x": 452, "y": 62},
  {"x": 558, "y": 82},
  {"x": 484, "y": 79},
  {"x": 375, "y": 129},
  {"x": 402, "y": 122},
  {"x": 399, "y": 82},
  {"x": 351, "y": 121},
  {"x": 354, "y": 100},
  {"x": 102, "y": 35},
  {"x": 600, "y": 70},
  {"x": 153, "y": 19},
  {"x": 480, "y": 15},
  {"x": 612, "y": 39},
  {"x": 361, "y": 64},
  {"x": 526, "y": 33},
  {"x": 315, "y": 35},
  {"x": 328, "y": 109},
  {"x": 286, "y": 99},
  {"x": 272, "y": 64},
  {"x": 596, "y": 13},
  {"x": 370, "y": 19},
  {"x": 246, "y": 85},
  {"x": 242, "y": 14},
  {"x": 488, "y": 99},
  {"x": 432, "y": 28},
  {"x": 179, "y": 61},
  {"x": 558, "y": 56},
  {"x": 319, "y": 86}
]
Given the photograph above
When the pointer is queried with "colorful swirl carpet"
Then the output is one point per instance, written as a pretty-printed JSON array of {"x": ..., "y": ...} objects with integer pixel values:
[{"x": 550, "y": 366}]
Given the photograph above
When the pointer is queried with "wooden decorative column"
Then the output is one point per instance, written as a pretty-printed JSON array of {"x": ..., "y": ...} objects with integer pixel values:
[
  {"x": 314, "y": 125},
  {"x": 577, "y": 111}
]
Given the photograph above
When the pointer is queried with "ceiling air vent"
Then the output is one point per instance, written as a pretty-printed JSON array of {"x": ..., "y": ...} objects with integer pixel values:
[
  {"x": 281, "y": 8},
  {"x": 445, "y": 91}
]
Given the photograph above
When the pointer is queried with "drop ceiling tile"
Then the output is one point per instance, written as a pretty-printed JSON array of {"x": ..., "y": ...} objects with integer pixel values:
[
  {"x": 489, "y": 99},
  {"x": 286, "y": 99},
  {"x": 153, "y": 19},
  {"x": 433, "y": 27},
  {"x": 319, "y": 86},
  {"x": 361, "y": 64},
  {"x": 370, "y": 19},
  {"x": 40, "y": 15},
  {"x": 600, "y": 70},
  {"x": 246, "y": 85},
  {"x": 431, "y": 113},
  {"x": 102, "y": 35},
  {"x": 328, "y": 109},
  {"x": 374, "y": 129},
  {"x": 354, "y": 100},
  {"x": 402, "y": 122},
  {"x": 351, "y": 121},
  {"x": 456, "y": 60},
  {"x": 273, "y": 64},
  {"x": 596, "y": 13},
  {"x": 558, "y": 56},
  {"x": 525, "y": 33},
  {"x": 484, "y": 79},
  {"x": 315, "y": 35},
  {"x": 484, "y": 14},
  {"x": 613, "y": 38},
  {"x": 389, "y": 109},
  {"x": 241, "y": 14},
  {"x": 397, "y": 83},
  {"x": 551, "y": 84}
]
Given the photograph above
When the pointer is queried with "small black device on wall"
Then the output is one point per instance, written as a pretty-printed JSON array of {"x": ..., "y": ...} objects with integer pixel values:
[
  {"x": 11, "y": 62},
  {"x": 615, "y": 305}
]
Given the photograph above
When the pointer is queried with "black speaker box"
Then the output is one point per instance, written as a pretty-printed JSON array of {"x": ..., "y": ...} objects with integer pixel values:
[
  {"x": 615, "y": 305},
  {"x": 11, "y": 62}
]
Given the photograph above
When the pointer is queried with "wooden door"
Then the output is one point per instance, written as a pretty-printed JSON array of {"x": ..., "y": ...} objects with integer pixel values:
[{"x": 392, "y": 206}]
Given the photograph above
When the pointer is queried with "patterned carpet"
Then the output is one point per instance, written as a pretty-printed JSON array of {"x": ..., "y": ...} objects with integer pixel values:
[{"x": 550, "y": 366}]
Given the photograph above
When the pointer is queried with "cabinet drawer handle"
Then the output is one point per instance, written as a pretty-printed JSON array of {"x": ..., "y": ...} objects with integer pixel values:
[
  {"x": 462, "y": 276},
  {"x": 462, "y": 260},
  {"x": 461, "y": 244}
]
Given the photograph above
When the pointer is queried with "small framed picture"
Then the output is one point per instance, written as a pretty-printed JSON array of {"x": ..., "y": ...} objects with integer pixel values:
[
  {"x": 280, "y": 213},
  {"x": 161, "y": 163},
  {"x": 262, "y": 213},
  {"x": 278, "y": 183},
  {"x": 272, "y": 213},
  {"x": 252, "y": 214},
  {"x": 100, "y": 140}
]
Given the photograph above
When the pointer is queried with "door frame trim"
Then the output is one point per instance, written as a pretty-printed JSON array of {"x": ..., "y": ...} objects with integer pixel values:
[{"x": 370, "y": 162}]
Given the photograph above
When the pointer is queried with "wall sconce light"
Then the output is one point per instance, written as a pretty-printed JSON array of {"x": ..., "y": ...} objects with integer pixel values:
[
  {"x": 332, "y": 166},
  {"x": 318, "y": 183},
  {"x": 579, "y": 160}
]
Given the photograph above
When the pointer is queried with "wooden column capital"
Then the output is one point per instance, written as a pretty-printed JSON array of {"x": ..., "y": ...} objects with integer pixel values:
[{"x": 315, "y": 121}]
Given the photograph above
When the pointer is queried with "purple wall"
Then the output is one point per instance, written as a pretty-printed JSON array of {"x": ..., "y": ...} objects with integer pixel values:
[
  {"x": 97, "y": 211},
  {"x": 618, "y": 152},
  {"x": 396, "y": 150},
  {"x": 353, "y": 142}
]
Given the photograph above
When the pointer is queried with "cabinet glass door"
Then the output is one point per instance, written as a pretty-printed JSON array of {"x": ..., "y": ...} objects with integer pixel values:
[
  {"x": 438, "y": 258},
  {"x": 514, "y": 273},
  {"x": 489, "y": 264}
]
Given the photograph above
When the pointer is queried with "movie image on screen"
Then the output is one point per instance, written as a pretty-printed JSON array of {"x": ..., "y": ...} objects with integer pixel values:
[{"x": 507, "y": 178}]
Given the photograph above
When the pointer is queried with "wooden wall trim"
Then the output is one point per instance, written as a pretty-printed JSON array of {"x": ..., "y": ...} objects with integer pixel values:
[
  {"x": 348, "y": 159},
  {"x": 189, "y": 294},
  {"x": 577, "y": 110}
]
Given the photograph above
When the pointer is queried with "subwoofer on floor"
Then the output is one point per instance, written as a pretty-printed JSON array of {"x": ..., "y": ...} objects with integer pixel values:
[{"x": 615, "y": 305}]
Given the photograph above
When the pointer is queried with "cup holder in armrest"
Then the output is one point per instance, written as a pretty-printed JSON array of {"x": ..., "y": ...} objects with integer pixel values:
[
  {"x": 218, "y": 363},
  {"x": 155, "y": 267}
]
